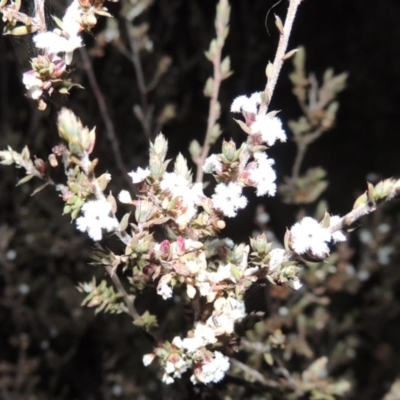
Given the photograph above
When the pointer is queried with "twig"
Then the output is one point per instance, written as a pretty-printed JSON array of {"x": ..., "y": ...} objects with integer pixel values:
[
  {"x": 110, "y": 131},
  {"x": 301, "y": 152},
  {"x": 135, "y": 58},
  {"x": 127, "y": 299},
  {"x": 39, "y": 15},
  {"x": 353, "y": 216},
  {"x": 214, "y": 109},
  {"x": 280, "y": 53},
  {"x": 302, "y": 149},
  {"x": 257, "y": 376}
]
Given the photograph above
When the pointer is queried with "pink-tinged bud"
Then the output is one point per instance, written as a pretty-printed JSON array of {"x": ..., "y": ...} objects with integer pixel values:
[
  {"x": 149, "y": 269},
  {"x": 181, "y": 247},
  {"x": 165, "y": 247},
  {"x": 58, "y": 150},
  {"x": 40, "y": 165},
  {"x": 53, "y": 160},
  {"x": 174, "y": 358}
]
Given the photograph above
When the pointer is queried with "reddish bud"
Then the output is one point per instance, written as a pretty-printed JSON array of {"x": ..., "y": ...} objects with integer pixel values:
[{"x": 165, "y": 247}]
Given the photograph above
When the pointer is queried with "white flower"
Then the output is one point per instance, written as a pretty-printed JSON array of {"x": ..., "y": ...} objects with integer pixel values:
[
  {"x": 148, "y": 359},
  {"x": 295, "y": 284},
  {"x": 71, "y": 18},
  {"x": 186, "y": 214},
  {"x": 96, "y": 216},
  {"x": 309, "y": 235},
  {"x": 205, "y": 333},
  {"x": 140, "y": 175},
  {"x": 167, "y": 379},
  {"x": 212, "y": 164},
  {"x": 197, "y": 193},
  {"x": 263, "y": 177},
  {"x": 214, "y": 369},
  {"x": 190, "y": 291},
  {"x": 277, "y": 257},
  {"x": 192, "y": 344},
  {"x": 246, "y": 104},
  {"x": 229, "y": 199},
  {"x": 270, "y": 129},
  {"x": 223, "y": 273},
  {"x": 337, "y": 236},
  {"x": 54, "y": 44},
  {"x": 175, "y": 184},
  {"x": 238, "y": 308},
  {"x": 33, "y": 85},
  {"x": 163, "y": 288},
  {"x": 124, "y": 197}
]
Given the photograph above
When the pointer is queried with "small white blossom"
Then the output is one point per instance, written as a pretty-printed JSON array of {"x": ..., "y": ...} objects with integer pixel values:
[
  {"x": 192, "y": 344},
  {"x": 270, "y": 129},
  {"x": 212, "y": 164},
  {"x": 246, "y": 104},
  {"x": 264, "y": 176},
  {"x": 214, "y": 370},
  {"x": 148, "y": 359},
  {"x": 54, "y": 44},
  {"x": 175, "y": 184},
  {"x": 71, "y": 17},
  {"x": 33, "y": 85},
  {"x": 96, "y": 217},
  {"x": 295, "y": 284},
  {"x": 277, "y": 257},
  {"x": 309, "y": 235},
  {"x": 167, "y": 379},
  {"x": 124, "y": 197},
  {"x": 190, "y": 291},
  {"x": 163, "y": 287},
  {"x": 223, "y": 273},
  {"x": 205, "y": 333},
  {"x": 229, "y": 199},
  {"x": 197, "y": 193},
  {"x": 140, "y": 175}
]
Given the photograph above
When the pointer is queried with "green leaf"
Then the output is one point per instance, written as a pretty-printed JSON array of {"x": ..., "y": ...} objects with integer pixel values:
[
  {"x": 39, "y": 189},
  {"x": 25, "y": 179}
]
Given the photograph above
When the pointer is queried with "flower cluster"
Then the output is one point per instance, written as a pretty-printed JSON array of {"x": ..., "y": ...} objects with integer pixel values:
[
  {"x": 250, "y": 165},
  {"x": 49, "y": 69},
  {"x": 309, "y": 236},
  {"x": 172, "y": 238}
]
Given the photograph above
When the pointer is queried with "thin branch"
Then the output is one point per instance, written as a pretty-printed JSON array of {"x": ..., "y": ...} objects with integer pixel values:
[
  {"x": 137, "y": 63},
  {"x": 127, "y": 299},
  {"x": 353, "y": 216},
  {"x": 257, "y": 376},
  {"x": 280, "y": 53},
  {"x": 213, "y": 112},
  {"x": 39, "y": 15},
  {"x": 110, "y": 131},
  {"x": 301, "y": 152},
  {"x": 302, "y": 149}
]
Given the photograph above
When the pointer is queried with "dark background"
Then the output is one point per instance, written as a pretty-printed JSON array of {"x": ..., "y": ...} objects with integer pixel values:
[{"x": 361, "y": 37}]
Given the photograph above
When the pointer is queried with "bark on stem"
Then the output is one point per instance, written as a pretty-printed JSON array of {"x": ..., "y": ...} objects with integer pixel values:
[{"x": 280, "y": 52}]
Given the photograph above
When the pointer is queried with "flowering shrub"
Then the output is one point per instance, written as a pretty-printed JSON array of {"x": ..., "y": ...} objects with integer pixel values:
[{"x": 172, "y": 237}]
